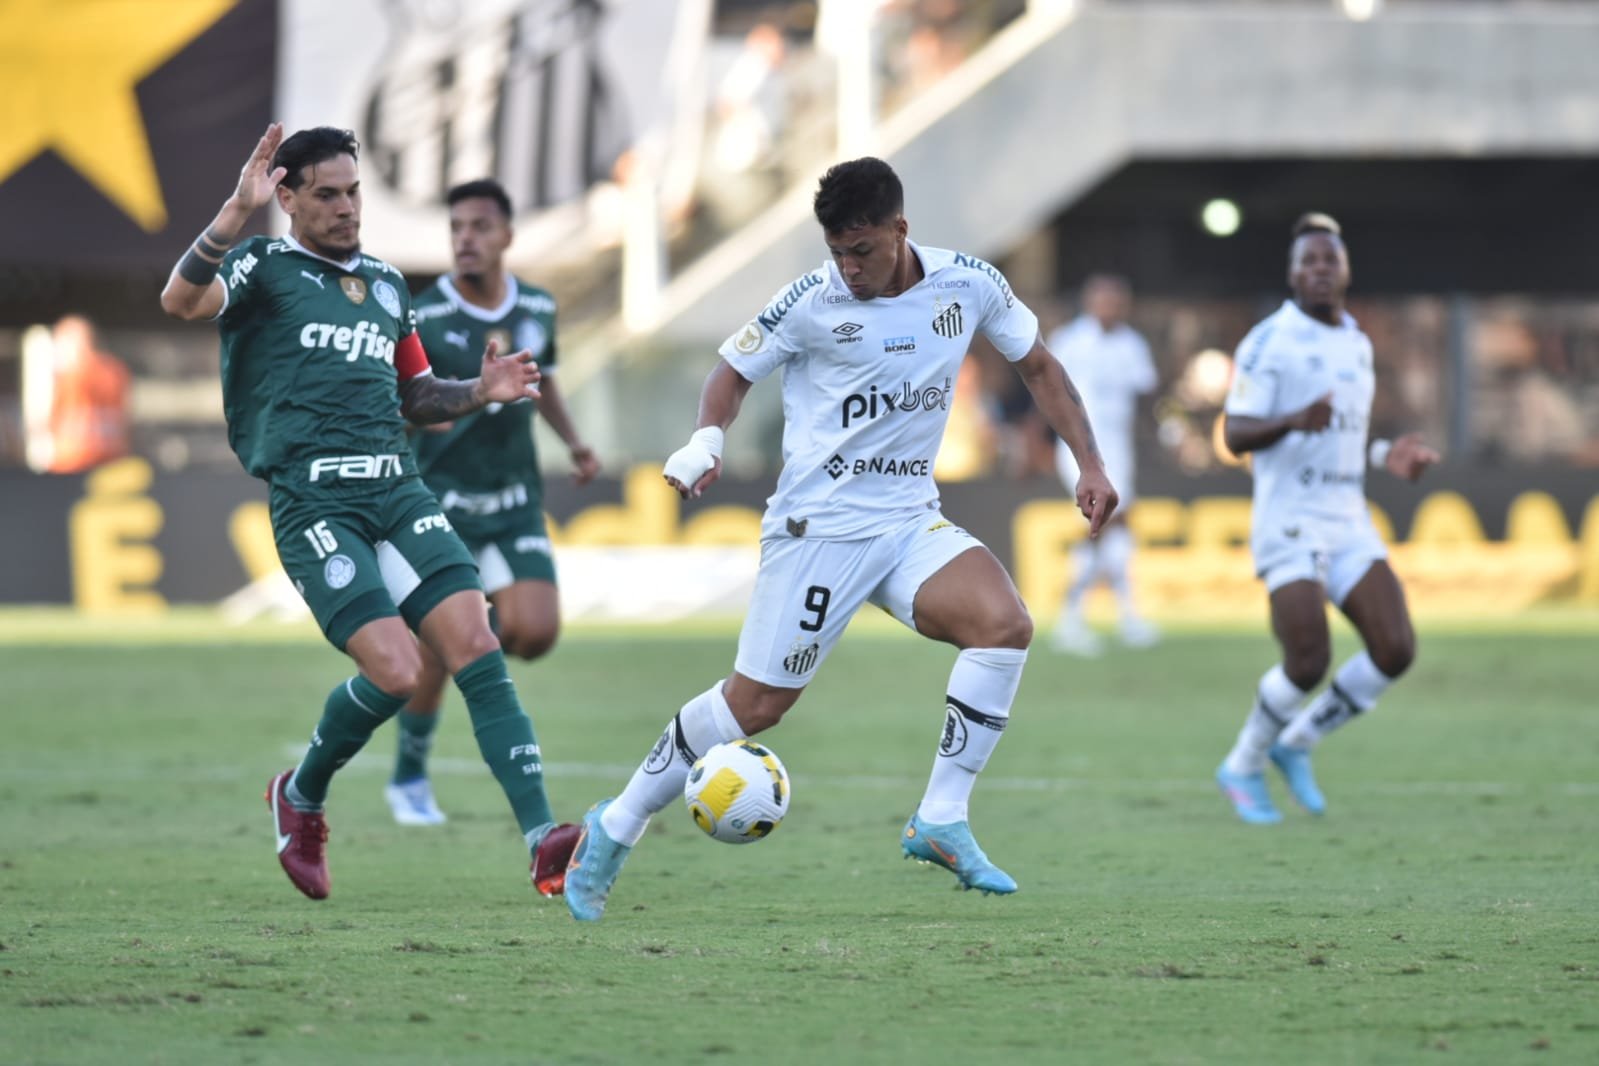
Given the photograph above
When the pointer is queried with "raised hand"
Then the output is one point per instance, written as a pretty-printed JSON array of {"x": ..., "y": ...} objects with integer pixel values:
[
  {"x": 507, "y": 378},
  {"x": 259, "y": 178},
  {"x": 1410, "y": 457}
]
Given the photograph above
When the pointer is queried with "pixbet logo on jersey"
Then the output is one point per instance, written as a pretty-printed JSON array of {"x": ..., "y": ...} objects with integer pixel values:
[
  {"x": 907, "y": 398},
  {"x": 364, "y": 339}
]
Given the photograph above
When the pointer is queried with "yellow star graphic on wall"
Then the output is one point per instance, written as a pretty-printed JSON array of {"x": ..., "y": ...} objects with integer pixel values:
[{"x": 68, "y": 69}]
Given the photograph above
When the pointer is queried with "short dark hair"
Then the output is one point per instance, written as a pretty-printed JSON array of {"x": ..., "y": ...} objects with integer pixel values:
[
  {"x": 861, "y": 192},
  {"x": 482, "y": 188},
  {"x": 309, "y": 147},
  {"x": 1316, "y": 222}
]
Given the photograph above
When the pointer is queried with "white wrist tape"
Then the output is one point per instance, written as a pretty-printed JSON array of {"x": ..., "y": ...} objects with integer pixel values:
[
  {"x": 1377, "y": 452},
  {"x": 694, "y": 460}
]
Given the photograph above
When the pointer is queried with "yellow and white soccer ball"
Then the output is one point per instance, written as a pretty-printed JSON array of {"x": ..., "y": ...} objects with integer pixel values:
[{"x": 737, "y": 792}]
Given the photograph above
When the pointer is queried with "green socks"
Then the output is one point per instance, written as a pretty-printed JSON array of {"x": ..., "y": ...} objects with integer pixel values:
[
  {"x": 416, "y": 740},
  {"x": 354, "y": 709},
  {"x": 505, "y": 737}
]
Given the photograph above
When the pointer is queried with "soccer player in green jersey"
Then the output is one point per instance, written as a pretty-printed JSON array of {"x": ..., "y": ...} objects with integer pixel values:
[
  {"x": 484, "y": 467},
  {"x": 321, "y": 366}
]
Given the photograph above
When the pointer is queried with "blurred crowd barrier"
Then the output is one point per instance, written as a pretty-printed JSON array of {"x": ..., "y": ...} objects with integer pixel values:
[{"x": 124, "y": 540}]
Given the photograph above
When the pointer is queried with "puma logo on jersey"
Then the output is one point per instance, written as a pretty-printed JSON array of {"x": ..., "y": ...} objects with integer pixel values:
[
  {"x": 457, "y": 338},
  {"x": 313, "y": 277},
  {"x": 364, "y": 339}
]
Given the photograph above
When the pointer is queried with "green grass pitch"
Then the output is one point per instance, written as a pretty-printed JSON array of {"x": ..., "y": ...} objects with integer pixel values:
[{"x": 1446, "y": 909}]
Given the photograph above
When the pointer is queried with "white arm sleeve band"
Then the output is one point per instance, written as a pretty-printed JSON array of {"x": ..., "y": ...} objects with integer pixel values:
[
  {"x": 692, "y": 461},
  {"x": 1377, "y": 453}
]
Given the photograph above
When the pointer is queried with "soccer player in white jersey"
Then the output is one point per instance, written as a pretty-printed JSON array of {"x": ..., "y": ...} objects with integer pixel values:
[
  {"x": 1301, "y": 402},
  {"x": 1111, "y": 365},
  {"x": 869, "y": 346}
]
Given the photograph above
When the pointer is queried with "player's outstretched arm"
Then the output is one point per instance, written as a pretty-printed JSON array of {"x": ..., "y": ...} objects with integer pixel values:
[
  {"x": 552, "y": 408},
  {"x": 1245, "y": 434},
  {"x": 193, "y": 289},
  {"x": 425, "y": 399},
  {"x": 692, "y": 468},
  {"x": 1407, "y": 457},
  {"x": 1062, "y": 407}
]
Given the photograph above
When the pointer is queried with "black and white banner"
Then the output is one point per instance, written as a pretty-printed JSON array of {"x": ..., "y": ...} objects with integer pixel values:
[{"x": 547, "y": 96}]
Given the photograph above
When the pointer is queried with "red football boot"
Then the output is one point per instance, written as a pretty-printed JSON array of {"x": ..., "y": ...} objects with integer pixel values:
[
  {"x": 548, "y": 870},
  {"x": 302, "y": 836}
]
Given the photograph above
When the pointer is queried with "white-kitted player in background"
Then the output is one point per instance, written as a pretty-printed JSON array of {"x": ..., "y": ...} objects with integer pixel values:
[
  {"x": 869, "y": 347},
  {"x": 1110, "y": 363},
  {"x": 1301, "y": 403}
]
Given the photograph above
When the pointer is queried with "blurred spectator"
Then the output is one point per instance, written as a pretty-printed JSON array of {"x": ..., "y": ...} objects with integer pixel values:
[
  {"x": 749, "y": 112},
  {"x": 75, "y": 399}
]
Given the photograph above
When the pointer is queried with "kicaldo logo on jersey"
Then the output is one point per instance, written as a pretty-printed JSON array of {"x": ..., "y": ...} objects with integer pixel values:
[
  {"x": 907, "y": 398},
  {"x": 364, "y": 339}
]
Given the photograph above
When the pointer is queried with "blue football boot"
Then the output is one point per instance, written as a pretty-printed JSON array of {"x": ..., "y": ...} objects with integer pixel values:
[
  {"x": 596, "y": 860},
  {"x": 952, "y": 847},
  {"x": 1295, "y": 765},
  {"x": 1247, "y": 794}
]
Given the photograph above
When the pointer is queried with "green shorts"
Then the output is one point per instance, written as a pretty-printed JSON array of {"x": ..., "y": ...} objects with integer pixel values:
[
  {"x": 374, "y": 555},
  {"x": 521, "y": 554}
]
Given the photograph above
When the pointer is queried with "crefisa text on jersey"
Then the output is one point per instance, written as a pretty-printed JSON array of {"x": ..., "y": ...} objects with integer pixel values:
[{"x": 364, "y": 339}]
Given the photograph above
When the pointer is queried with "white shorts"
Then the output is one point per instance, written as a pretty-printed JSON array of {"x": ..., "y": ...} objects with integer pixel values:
[
  {"x": 807, "y": 591},
  {"x": 1119, "y": 467},
  {"x": 1336, "y": 558}
]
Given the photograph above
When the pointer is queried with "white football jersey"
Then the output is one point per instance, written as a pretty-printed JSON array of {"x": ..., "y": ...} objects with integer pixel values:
[
  {"x": 1111, "y": 369},
  {"x": 1286, "y": 363},
  {"x": 867, "y": 386}
]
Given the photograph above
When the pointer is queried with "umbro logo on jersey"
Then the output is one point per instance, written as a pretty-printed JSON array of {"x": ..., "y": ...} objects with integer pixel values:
[
  {"x": 848, "y": 332},
  {"x": 457, "y": 338},
  {"x": 313, "y": 277},
  {"x": 947, "y": 323}
]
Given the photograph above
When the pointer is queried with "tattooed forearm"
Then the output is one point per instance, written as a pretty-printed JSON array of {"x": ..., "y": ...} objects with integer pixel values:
[{"x": 430, "y": 399}]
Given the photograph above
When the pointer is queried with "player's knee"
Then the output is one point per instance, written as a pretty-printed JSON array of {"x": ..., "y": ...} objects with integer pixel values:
[
  {"x": 528, "y": 642},
  {"x": 469, "y": 647},
  {"x": 396, "y": 673},
  {"x": 1393, "y": 656},
  {"x": 1013, "y": 630},
  {"x": 1306, "y": 666},
  {"x": 764, "y": 710}
]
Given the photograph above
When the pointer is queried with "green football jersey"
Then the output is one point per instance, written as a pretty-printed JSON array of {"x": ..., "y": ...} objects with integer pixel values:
[
  {"x": 309, "y": 386},
  {"x": 492, "y": 450}
]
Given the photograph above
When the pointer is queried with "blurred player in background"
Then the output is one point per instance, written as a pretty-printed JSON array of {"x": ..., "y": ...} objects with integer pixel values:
[
  {"x": 484, "y": 467},
  {"x": 869, "y": 347},
  {"x": 1301, "y": 402},
  {"x": 1111, "y": 364},
  {"x": 321, "y": 365}
]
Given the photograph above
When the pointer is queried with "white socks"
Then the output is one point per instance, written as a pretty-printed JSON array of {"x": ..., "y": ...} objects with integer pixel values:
[
  {"x": 1276, "y": 698},
  {"x": 705, "y": 721},
  {"x": 1354, "y": 690},
  {"x": 982, "y": 687}
]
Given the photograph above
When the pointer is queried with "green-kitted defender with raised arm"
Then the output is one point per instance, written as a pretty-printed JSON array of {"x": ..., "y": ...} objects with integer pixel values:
[{"x": 321, "y": 365}]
